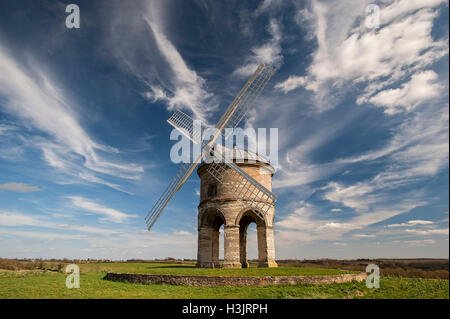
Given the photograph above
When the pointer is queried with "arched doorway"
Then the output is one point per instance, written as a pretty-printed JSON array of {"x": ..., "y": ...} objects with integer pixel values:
[
  {"x": 244, "y": 220},
  {"x": 210, "y": 223}
]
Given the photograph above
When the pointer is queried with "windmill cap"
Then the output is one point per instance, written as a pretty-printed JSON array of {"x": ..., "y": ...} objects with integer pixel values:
[{"x": 241, "y": 155}]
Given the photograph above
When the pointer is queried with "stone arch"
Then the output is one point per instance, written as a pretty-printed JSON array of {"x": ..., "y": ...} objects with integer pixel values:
[
  {"x": 266, "y": 256},
  {"x": 210, "y": 221},
  {"x": 232, "y": 216},
  {"x": 249, "y": 213},
  {"x": 211, "y": 217},
  {"x": 243, "y": 220}
]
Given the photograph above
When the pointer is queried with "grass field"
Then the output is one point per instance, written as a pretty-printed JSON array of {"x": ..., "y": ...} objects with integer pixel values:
[
  {"x": 50, "y": 284},
  {"x": 191, "y": 270}
]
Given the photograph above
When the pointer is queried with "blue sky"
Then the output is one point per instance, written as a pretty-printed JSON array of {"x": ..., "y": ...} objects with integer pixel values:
[{"x": 362, "y": 118}]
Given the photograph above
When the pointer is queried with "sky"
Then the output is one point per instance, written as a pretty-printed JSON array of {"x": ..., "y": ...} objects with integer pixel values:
[{"x": 362, "y": 115}]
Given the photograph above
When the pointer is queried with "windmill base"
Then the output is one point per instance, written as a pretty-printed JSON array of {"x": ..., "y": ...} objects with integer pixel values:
[
  {"x": 264, "y": 264},
  {"x": 236, "y": 281},
  {"x": 232, "y": 265}
]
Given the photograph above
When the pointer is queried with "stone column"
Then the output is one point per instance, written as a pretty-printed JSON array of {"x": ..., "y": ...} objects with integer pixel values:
[
  {"x": 231, "y": 245},
  {"x": 266, "y": 247},
  {"x": 205, "y": 247},
  {"x": 243, "y": 247},
  {"x": 215, "y": 248}
]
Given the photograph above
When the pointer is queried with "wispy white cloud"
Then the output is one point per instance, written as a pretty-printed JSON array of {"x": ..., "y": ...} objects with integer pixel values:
[
  {"x": 110, "y": 214},
  {"x": 304, "y": 225},
  {"x": 411, "y": 223},
  {"x": 33, "y": 98},
  {"x": 267, "y": 5},
  {"x": 417, "y": 149},
  {"x": 427, "y": 231},
  {"x": 297, "y": 168},
  {"x": 422, "y": 87},
  {"x": 291, "y": 83},
  {"x": 354, "y": 196},
  {"x": 97, "y": 242},
  {"x": 152, "y": 57},
  {"x": 18, "y": 187},
  {"x": 340, "y": 244},
  {"x": 12, "y": 145},
  {"x": 363, "y": 236},
  {"x": 303, "y": 174},
  {"x": 94, "y": 179},
  {"x": 349, "y": 55},
  {"x": 183, "y": 233},
  {"x": 270, "y": 52},
  {"x": 39, "y": 237},
  {"x": 42, "y": 221},
  {"x": 418, "y": 243},
  {"x": 14, "y": 219},
  {"x": 4, "y": 128},
  {"x": 188, "y": 87},
  {"x": 399, "y": 9}
]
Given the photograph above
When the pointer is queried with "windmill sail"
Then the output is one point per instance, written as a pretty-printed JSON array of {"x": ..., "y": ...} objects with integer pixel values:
[
  {"x": 231, "y": 118},
  {"x": 236, "y": 180},
  {"x": 175, "y": 184},
  {"x": 249, "y": 192},
  {"x": 241, "y": 104},
  {"x": 185, "y": 124}
]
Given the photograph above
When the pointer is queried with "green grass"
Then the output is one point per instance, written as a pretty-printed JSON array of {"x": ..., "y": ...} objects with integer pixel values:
[
  {"x": 191, "y": 270},
  {"x": 92, "y": 285}
]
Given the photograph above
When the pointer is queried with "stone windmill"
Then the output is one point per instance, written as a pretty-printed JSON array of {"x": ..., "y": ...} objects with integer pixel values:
[{"x": 235, "y": 186}]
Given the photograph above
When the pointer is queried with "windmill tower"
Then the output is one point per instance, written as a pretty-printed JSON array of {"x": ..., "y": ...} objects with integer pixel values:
[
  {"x": 218, "y": 206},
  {"x": 250, "y": 192}
]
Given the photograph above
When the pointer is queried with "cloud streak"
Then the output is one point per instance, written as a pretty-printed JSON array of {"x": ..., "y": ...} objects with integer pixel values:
[
  {"x": 32, "y": 97},
  {"x": 188, "y": 87},
  {"x": 270, "y": 52},
  {"x": 18, "y": 187},
  {"x": 110, "y": 214},
  {"x": 348, "y": 56}
]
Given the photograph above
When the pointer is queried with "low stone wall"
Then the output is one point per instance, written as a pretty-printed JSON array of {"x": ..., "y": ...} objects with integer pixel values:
[{"x": 213, "y": 281}]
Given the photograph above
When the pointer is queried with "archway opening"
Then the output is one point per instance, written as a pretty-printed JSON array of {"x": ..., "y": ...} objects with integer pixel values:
[
  {"x": 252, "y": 242},
  {"x": 249, "y": 243},
  {"x": 221, "y": 244},
  {"x": 209, "y": 238}
]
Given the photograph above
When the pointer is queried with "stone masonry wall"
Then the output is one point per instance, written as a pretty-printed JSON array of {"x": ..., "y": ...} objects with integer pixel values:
[
  {"x": 223, "y": 203},
  {"x": 213, "y": 281}
]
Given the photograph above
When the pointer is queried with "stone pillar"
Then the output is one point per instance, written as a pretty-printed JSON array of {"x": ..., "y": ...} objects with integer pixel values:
[
  {"x": 231, "y": 245},
  {"x": 243, "y": 247},
  {"x": 266, "y": 247},
  {"x": 205, "y": 251},
  {"x": 215, "y": 248},
  {"x": 270, "y": 247}
]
